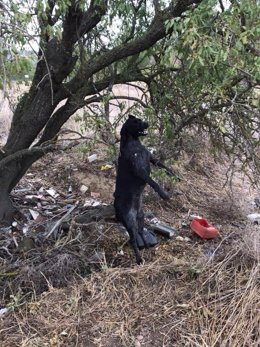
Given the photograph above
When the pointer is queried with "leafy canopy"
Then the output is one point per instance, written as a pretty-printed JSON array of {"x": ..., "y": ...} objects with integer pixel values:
[{"x": 203, "y": 76}]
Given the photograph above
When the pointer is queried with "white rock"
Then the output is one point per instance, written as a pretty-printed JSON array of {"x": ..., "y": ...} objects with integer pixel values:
[
  {"x": 179, "y": 238},
  {"x": 25, "y": 229},
  {"x": 64, "y": 333},
  {"x": 139, "y": 337}
]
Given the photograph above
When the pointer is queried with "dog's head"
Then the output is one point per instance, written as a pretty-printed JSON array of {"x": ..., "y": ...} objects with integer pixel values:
[{"x": 134, "y": 127}]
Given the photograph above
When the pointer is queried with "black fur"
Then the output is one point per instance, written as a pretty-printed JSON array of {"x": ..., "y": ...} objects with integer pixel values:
[{"x": 133, "y": 173}]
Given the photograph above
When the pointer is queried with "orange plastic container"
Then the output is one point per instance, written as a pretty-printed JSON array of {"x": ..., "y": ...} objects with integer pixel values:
[{"x": 202, "y": 228}]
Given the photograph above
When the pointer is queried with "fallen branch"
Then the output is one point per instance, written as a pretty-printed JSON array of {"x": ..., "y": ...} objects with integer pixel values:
[{"x": 58, "y": 223}]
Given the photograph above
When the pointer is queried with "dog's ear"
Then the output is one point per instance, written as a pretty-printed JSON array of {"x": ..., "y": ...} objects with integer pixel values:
[
  {"x": 131, "y": 116},
  {"x": 123, "y": 136}
]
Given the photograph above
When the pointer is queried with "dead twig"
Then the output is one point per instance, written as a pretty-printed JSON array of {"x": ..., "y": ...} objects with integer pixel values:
[{"x": 58, "y": 223}]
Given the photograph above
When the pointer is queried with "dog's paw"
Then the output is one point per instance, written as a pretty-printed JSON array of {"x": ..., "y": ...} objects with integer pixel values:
[
  {"x": 169, "y": 172},
  {"x": 146, "y": 239},
  {"x": 140, "y": 241},
  {"x": 149, "y": 238},
  {"x": 164, "y": 195}
]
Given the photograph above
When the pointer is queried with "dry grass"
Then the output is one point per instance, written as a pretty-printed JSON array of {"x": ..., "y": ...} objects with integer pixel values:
[
  {"x": 180, "y": 297},
  {"x": 178, "y": 303},
  {"x": 251, "y": 238}
]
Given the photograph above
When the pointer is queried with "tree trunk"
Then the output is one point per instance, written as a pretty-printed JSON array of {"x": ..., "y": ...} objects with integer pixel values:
[
  {"x": 30, "y": 117},
  {"x": 12, "y": 169},
  {"x": 6, "y": 208}
]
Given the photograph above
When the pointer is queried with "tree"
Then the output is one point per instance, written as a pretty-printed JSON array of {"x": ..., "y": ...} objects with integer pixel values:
[
  {"x": 86, "y": 47},
  {"x": 79, "y": 55},
  {"x": 213, "y": 85}
]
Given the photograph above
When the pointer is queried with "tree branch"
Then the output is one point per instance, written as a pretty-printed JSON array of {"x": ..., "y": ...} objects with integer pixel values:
[
  {"x": 221, "y": 5},
  {"x": 155, "y": 33},
  {"x": 77, "y": 23},
  {"x": 21, "y": 155},
  {"x": 136, "y": 9},
  {"x": 123, "y": 97}
]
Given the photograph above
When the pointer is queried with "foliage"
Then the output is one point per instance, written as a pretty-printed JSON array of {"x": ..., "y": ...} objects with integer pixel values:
[
  {"x": 195, "y": 64},
  {"x": 213, "y": 88}
]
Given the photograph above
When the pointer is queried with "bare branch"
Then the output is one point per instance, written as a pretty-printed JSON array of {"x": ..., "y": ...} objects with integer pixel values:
[
  {"x": 77, "y": 23},
  {"x": 25, "y": 153},
  {"x": 123, "y": 97},
  {"x": 221, "y": 5},
  {"x": 132, "y": 31},
  {"x": 155, "y": 33}
]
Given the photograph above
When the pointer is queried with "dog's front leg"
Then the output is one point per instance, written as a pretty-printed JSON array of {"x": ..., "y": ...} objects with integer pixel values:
[
  {"x": 157, "y": 188},
  {"x": 141, "y": 168},
  {"x": 160, "y": 165}
]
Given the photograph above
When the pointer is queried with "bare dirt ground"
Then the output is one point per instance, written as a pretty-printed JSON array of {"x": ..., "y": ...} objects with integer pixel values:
[{"x": 81, "y": 287}]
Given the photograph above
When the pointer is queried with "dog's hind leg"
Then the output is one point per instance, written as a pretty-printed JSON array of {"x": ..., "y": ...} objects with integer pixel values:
[
  {"x": 140, "y": 223},
  {"x": 133, "y": 242},
  {"x": 145, "y": 238},
  {"x": 131, "y": 225}
]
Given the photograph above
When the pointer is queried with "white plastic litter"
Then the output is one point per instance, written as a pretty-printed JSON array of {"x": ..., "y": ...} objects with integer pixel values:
[
  {"x": 52, "y": 192},
  {"x": 254, "y": 217},
  {"x": 83, "y": 189},
  {"x": 34, "y": 214},
  {"x": 92, "y": 157},
  {"x": 3, "y": 311}
]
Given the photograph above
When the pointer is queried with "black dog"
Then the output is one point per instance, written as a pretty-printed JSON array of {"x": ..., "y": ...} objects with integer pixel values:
[{"x": 133, "y": 173}]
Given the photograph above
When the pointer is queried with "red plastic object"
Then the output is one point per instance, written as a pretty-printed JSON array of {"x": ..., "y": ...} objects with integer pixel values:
[{"x": 201, "y": 227}]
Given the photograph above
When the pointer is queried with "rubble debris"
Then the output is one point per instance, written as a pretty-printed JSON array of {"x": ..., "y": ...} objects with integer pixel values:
[
  {"x": 158, "y": 227},
  {"x": 254, "y": 218},
  {"x": 106, "y": 167},
  {"x": 83, "y": 189},
  {"x": 91, "y": 202},
  {"x": 92, "y": 158},
  {"x": 163, "y": 229},
  {"x": 26, "y": 244},
  {"x": 183, "y": 239},
  {"x": 3, "y": 311},
  {"x": 192, "y": 216},
  {"x": 101, "y": 212},
  {"x": 257, "y": 201},
  {"x": 14, "y": 224},
  {"x": 25, "y": 229},
  {"x": 34, "y": 214},
  {"x": 95, "y": 195},
  {"x": 209, "y": 253},
  {"x": 52, "y": 192},
  {"x": 62, "y": 219}
]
